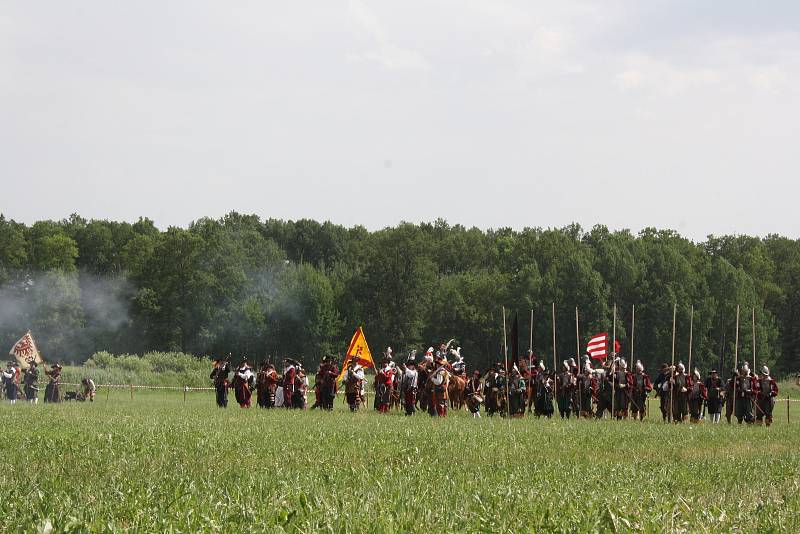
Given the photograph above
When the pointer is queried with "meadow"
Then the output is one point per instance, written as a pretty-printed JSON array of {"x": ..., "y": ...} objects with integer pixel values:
[{"x": 159, "y": 464}]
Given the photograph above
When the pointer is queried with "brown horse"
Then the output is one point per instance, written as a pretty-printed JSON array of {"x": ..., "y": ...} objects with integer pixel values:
[{"x": 455, "y": 391}]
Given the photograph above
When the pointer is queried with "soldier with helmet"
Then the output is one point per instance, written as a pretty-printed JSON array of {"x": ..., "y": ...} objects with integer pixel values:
[
  {"x": 565, "y": 390},
  {"x": 697, "y": 396},
  {"x": 715, "y": 395},
  {"x": 641, "y": 386},
  {"x": 680, "y": 384},
  {"x": 744, "y": 387},
  {"x": 766, "y": 390},
  {"x": 587, "y": 390},
  {"x": 622, "y": 382}
]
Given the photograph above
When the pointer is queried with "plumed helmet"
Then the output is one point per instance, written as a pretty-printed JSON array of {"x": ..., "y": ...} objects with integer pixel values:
[
  {"x": 541, "y": 365},
  {"x": 765, "y": 371},
  {"x": 572, "y": 362},
  {"x": 429, "y": 351},
  {"x": 565, "y": 365},
  {"x": 696, "y": 372},
  {"x": 623, "y": 364},
  {"x": 681, "y": 367},
  {"x": 639, "y": 366}
]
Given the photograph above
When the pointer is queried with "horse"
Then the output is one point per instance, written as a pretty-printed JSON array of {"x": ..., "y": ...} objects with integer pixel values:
[{"x": 455, "y": 391}]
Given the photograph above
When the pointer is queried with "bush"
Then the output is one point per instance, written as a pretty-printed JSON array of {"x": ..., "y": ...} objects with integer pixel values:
[{"x": 152, "y": 369}]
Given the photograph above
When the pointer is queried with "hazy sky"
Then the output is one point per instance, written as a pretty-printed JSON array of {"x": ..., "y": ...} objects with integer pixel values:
[{"x": 677, "y": 114}]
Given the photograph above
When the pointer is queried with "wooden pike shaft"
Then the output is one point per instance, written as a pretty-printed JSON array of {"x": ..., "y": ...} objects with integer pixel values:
[
  {"x": 672, "y": 369},
  {"x": 530, "y": 346},
  {"x": 505, "y": 356},
  {"x": 613, "y": 360},
  {"x": 577, "y": 340},
  {"x": 555, "y": 382},
  {"x": 754, "y": 340},
  {"x": 633, "y": 329},
  {"x": 736, "y": 360},
  {"x": 691, "y": 334}
]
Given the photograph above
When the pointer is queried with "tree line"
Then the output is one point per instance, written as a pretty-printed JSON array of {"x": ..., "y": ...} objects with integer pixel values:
[{"x": 273, "y": 288}]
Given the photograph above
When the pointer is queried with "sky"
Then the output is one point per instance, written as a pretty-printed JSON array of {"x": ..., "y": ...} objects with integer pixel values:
[{"x": 681, "y": 115}]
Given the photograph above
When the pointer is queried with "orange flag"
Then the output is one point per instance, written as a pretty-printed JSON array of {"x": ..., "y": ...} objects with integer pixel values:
[{"x": 358, "y": 350}]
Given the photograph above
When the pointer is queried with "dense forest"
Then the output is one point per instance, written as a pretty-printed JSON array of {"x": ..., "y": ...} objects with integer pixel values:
[{"x": 274, "y": 288}]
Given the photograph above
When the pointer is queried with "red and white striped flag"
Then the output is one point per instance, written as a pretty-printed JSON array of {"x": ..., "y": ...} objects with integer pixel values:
[{"x": 598, "y": 346}]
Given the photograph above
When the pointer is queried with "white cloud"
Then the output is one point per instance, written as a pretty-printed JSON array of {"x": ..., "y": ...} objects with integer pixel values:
[{"x": 384, "y": 52}]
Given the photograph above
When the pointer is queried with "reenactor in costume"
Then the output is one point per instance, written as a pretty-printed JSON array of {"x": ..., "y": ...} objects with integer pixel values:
[
  {"x": 697, "y": 395},
  {"x": 11, "y": 382},
  {"x": 383, "y": 384},
  {"x": 52, "y": 391},
  {"x": 474, "y": 393},
  {"x": 766, "y": 391},
  {"x": 640, "y": 389},
  {"x": 266, "y": 384},
  {"x": 243, "y": 383},
  {"x": 492, "y": 390},
  {"x": 318, "y": 388},
  {"x": 623, "y": 380},
  {"x": 587, "y": 391},
  {"x": 328, "y": 372},
  {"x": 661, "y": 387},
  {"x": 353, "y": 381},
  {"x": 88, "y": 389},
  {"x": 438, "y": 382},
  {"x": 219, "y": 376},
  {"x": 680, "y": 384},
  {"x": 516, "y": 393},
  {"x": 289, "y": 383},
  {"x": 729, "y": 395},
  {"x": 545, "y": 381},
  {"x": 300, "y": 396},
  {"x": 604, "y": 391},
  {"x": 408, "y": 386},
  {"x": 565, "y": 389},
  {"x": 533, "y": 372},
  {"x": 744, "y": 388},
  {"x": 715, "y": 394},
  {"x": 30, "y": 382}
]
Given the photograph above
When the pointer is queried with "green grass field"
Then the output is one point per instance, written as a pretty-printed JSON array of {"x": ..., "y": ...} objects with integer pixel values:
[{"x": 157, "y": 464}]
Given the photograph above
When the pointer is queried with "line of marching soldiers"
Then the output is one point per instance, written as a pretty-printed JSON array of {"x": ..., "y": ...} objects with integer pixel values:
[{"x": 432, "y": 384}]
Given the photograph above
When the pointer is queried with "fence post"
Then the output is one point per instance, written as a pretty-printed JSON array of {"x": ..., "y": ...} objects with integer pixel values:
[
  {"x": 131, "y": 391},
  {"x": 185, "y": 389},
  {"x": 787, "y": 408}
]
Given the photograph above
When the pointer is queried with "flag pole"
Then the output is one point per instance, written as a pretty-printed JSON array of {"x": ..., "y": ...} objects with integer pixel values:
[
  {"x": 555, "y": 382},
  {"x": 505, "y": 355},
  {"x": 736, "y": 361},
  {"x": 614, "y": 361},
  {"x": 672, "y": 369}
]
